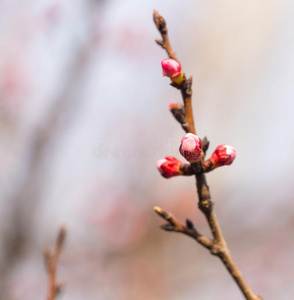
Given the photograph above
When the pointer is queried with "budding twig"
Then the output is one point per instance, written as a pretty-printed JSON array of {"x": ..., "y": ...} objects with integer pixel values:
[
  {"x": 51, "y": 261},
  {"x": 161, "y": 26},
  {"x": 218, "y": 245},
  {"x": 188, "y": 229},
  {"x": 179, "y": 114}
]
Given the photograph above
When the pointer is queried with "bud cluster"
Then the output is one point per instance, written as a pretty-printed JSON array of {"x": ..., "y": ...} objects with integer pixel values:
[
  {"x": 190, "y": 148},
  {"x": 191, "y": 144}
]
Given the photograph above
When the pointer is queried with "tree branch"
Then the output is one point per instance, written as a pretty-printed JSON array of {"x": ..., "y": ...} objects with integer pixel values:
[
  {"x": 161, "y": 26},
  {"x": 219, "y": 246},
  {"x": 188, "y": 229},
  {"x": 51, "y": 262}
]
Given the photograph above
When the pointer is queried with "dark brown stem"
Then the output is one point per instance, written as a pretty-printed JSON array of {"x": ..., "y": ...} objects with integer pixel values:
[
  {"x": 51, "y": 262},
  {"x": 186, "y": 170},
  {"x": 219, "y": 246}
]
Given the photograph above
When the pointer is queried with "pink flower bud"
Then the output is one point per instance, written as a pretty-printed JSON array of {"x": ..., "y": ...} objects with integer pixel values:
[
  {"x": 223, "y": 155},
  {"x": 169, "y": 167},
  {"x": 175, "y": 105},
  {"x": 191, "y": 146},
  {"x": 171, "y": 68}
]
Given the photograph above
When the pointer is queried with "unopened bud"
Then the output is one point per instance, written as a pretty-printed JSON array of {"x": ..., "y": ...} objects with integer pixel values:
[
  {"x": 223, "y": 155},
  {"x": 169, "y": 167},
  {"x": 172, "y": 69},
  {"x": 178, "y": 111},
  {"x": 191, "y": 146}
]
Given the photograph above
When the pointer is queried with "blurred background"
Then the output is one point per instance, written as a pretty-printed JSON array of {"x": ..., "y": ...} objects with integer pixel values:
[{"x": 84, "y": 117}]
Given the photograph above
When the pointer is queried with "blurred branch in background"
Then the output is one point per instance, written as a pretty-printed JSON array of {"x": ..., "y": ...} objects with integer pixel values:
[
  {"x": 28, "y": 194},
  {"x": 51, "y": 263}
]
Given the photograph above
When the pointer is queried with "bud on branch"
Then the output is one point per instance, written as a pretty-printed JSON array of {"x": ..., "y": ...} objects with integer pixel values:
[
  {"x": 172, "y": 69},
  {"x": 191, "y": 146},
  {"x": 178, "y": 111},
  {"x": 171, "y": 166},
  {"x": 222, "y": 155}
]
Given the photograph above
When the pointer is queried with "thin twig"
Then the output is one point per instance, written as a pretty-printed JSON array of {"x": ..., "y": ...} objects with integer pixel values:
[
  {"x": 161, "y": 25},
  {"x": 188, "y": 229},
  {"x": 219, "y": 246},
  {"x": 51, "y": 262}
]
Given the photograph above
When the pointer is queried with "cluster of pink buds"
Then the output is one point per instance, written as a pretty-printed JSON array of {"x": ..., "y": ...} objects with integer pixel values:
[
  {"x": 222, "y": 155},
  {"x": 172, "y": 69},
  {"x": 191, "y": 146},
  {"x": 169, "y": 167}
]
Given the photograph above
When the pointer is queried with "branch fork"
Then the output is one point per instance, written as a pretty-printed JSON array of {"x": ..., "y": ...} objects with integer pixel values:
[{"x": 189, "y": 229}]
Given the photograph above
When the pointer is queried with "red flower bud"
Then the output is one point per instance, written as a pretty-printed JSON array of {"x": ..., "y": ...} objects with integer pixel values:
[
  {"x": 169, "y": 167},
  {"x": 171, "y": 67},
  {"x": 191, "y": 146},
  {"x": 223, "y": 155}
]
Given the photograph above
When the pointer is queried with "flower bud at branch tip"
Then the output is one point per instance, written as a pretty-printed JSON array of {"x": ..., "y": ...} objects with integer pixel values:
[
  {"x": 223, "y": 155},
  {"x": 191, "y": 146},
  {"x": 175, "y": 105},
  {"x": 169, "y": 167},
  {"x": 172, "y": 69}
]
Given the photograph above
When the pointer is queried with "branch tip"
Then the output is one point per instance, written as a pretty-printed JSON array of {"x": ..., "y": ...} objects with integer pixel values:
[
  {"x": 157, "y": 209},
  {"x": 61, "y": 236}
]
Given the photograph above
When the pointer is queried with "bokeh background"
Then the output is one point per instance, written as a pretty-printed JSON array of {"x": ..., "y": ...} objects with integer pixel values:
[{"x": 84, "y": 117}]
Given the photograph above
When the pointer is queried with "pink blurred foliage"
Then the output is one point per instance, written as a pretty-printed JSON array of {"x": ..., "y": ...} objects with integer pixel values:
[
  {"x": 137, "y": 278},
  {"x": 131, "y": 41},
  {"x": 131, "y": 276},
  {"x": 29, "y": 282},
  {"x": 14, "y": 84},
  {"x": 273, "y": 257},
  {"x": 131, "y": 273},
  {"x": 51, "y": 16},
  {"x": 183, "y": 205},
  {"x": 119, "y": 223},
  {"x": 96, "y": 32}
]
